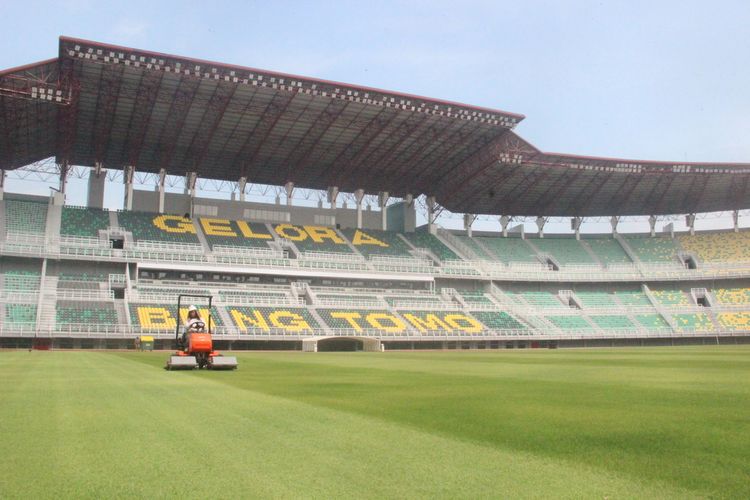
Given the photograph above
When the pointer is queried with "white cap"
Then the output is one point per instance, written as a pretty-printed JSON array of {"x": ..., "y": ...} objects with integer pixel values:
[{"x": 192, "y": 308}]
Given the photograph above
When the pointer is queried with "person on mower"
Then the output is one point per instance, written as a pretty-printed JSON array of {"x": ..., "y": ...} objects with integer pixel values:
[{"x": 194, "y": 324}]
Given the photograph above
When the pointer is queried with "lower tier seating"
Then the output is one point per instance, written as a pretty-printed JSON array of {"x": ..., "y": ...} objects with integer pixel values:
[
  {"x": 570, "y": 322},
  {"x": 162, "y": 316},
  {"x": 612, "y": 322},
  {"x": 652, "y": 321},
  {"x": 732, "y": 296},
  {"x": 20, "y": 315},
  {"x": 264, "y": 318},
  {"x": 700, "y": 322},
  {"x": 86, "y": 313},
  {"x": 498, "y": 320},
  {"x": 734, "y": 320},
  {"x": 509, "y": 249},
  {"x": 476, "y": 298},
  {"x": 671, "y": 297},
  {"x": 544, "y": 300},
  {"x": 25, "y": 216},
  {"x": 362, "y": 319},
  {"x": 634, "y": 298},
  {"x": 596, "y": 299}
]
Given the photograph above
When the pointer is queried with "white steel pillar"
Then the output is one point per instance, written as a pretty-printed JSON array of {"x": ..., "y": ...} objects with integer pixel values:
[
  {"x": 575, "y": 225},
  {"x": 289, "y": 189},
  {"x": 652, "y": 224},
  {"x": 540, "y": 222},
  {"x": 359, "y": 194},
  {"x": 332, "y": 196},
  {"x": 64, "y": 167},
  {"x": 241, "y": 187},
  {"x": 431, "y": 214},
  {"x": 2, "y": 182},
  {"x": 614, "y": 220},
  {"x": 504, "y": 222},
  {"x": 735, "y": 217},
  {"x": 690, "y": 222},
  {"x": 127, "y": 178},
  {"x": 96, "y": 186},
  {"x": 383, "y": 198},
  {"x": 409, "y": 200},
  {"x": 468, "y": 222},
  {"x": 162, "y": 182}
]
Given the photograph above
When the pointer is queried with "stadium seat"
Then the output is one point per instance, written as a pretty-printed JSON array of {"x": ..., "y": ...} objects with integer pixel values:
[
  {"x": 85, "y": 313},
  {"x": 657, "y": 249},
  {"x": 652, "y": 321},
  {"x": 21, "y": 281},
  {"x": 718, "y": 247},
  {"x": 313, "y": 238},
  {"x": 543, "y": 300},
  {"x": 596, "y": 300},
  {"x": 612, "y": 322},
  {"x": 252, "y": 295},
  {"x": 25, "y": 216},
  {"x": 362, "y": 319},
  {"x": 570, "y": 322},
  {"x": 628, "y": 298},
  {"x": 267, "y": 318},
  {"x": 476, "y": 298},
  {"x": 671, "y": 297},
  {"x": 734, "y": 320},
  {"x": 423, "y": 239},
  {"x": 608, "y": 250},
  {"x": 498, "y": 320},
  {"x": 509, "y": 249},
  {"x": 474, "y": 245},
  {"x": 700, "y": 322},
  {"x": 732, "y": 296},
  {"x": 81, "y": 221},
  {"x": 565, "y": 251},
  {"x": 371, "y": 242},
  {"x": 20, "y": 315},
  {"x": 230, "y": 233},
  {"x": 156, "y": 227},
  {"x": 162, "y": 316},
  {"x": 441, "y": 321}
]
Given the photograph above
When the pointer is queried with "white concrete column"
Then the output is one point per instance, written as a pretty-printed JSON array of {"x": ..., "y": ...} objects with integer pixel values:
[
  {"x": 409, "y": 200},
  {"x": 64, "y": 167},
  {"x": 690, "y": 222},
  {"x": 333, "y": 194},
  {"x": 162, "y": 188},
  {"x": 431, "y": 214},
  {"x": 540, "y": 222},
  {"x": 359, "y": 194},
  {"x": 735, "y": 218},
  {"x": 191, "y": 178},
  {"x": 96, "y": 186},
  {"x": 241, "y": 187},
  {"x": 575, "y": 225},
  {"x": 504, "y": 222},
  {"x": 383, "y": 198},
  {"x": 127, "y": 178},
  {"x": 289, "y": 189},
  {"x": 614, "y": 220},
  {"x": 652, "y": 224},
  {"x": 2, "y": 182},
  {"x": 468, "y": 222}
]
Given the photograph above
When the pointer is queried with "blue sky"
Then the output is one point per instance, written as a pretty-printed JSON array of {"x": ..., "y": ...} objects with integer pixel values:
[{"x": 643, "y": 80}]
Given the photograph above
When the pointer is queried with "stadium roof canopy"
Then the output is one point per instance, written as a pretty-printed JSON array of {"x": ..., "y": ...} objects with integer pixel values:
[{"x": 117, "y": 106}]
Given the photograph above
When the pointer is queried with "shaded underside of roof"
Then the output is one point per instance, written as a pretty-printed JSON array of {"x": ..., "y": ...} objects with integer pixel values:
[{"x": 117, "y": 106}]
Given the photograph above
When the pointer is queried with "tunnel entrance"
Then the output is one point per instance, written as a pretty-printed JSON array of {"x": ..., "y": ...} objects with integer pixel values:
[{"x": 340, "y": 345}]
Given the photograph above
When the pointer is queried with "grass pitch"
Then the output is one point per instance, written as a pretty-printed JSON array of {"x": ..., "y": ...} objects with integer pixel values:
[{"x": 667, "y": 422}]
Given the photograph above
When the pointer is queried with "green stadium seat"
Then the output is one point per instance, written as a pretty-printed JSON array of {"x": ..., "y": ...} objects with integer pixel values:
[
  {"x": 633, "y": 298},
  {"x": 20, "y": 315},
  {"x": 224, "y": 232},
  {"x": 474, "y": 245},
  {"x": 565, "y": 251},
  {"x": 570, "y": 322},
  {"x": 370, "y": 242},
  {"x": 313, "y": 238},
  {"x": 652, "y": 321},
  {"x": 671, "y": 297},
  {"x": 476, "y": 298},
  {"x": 509, "y": 249},
  {"x": 267, "y": 318},
  {"x": 151, "y": 316},
  {"x": 700, "y": 322},
  {"x": 347, "y": 318},
  {"x": 651, "y": 250},
  {"x": 608, "y": 250},
  {"x": 612, "y": 322},
  {"x": 85, "y": 313},
  {"x": 732, "y": 296},
  {"x": 158, "y": 227},
  {"x": 21, "y": 281},
  {"x": 28, "y": 217},
  {"x": 718, "y": 247},
  {"x": 498, "y": 320},
  {"x": 596, "y": 300},
  {"x": 734, "y": 320},
  {"x": 423, "y": 239},
  {"x": 81, "y": 221},
  {"x": 543, "y": 300}
]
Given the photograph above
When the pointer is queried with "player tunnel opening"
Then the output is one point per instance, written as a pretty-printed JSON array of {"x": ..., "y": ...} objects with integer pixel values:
[{"x": 340, "y": 345}]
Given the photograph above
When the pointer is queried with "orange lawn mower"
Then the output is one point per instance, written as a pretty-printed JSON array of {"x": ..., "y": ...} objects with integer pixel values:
[{"x": 195, "y": 345}]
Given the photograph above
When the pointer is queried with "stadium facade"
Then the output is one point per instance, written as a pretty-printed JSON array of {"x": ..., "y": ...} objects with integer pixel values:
[{"x": 290, "y": 277}]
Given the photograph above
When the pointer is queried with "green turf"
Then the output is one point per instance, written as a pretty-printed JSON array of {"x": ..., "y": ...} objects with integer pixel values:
[{"x": 668, "y": 422}]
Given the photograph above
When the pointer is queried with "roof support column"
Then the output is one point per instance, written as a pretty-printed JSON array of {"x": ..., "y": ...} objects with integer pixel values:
[
  {"x": 690, "y": 222},
  {"x": 383, "y": 198},
  {"x": 359, "y": 194},
  {"x": 540, "y": 222},
  {"x": 575, "y": 225},
  {"x": 614, "y": 220},
  {"x": 332, "y": 195},
  {"x": 190, "y": 180},
  {"x": 652, "y": 224},
  {"x": 504, "y": 222},
  {"x": 468, "y": 222},
  {"x": 241, "y": 187},
  {"x": 127, "y": 178},
  {"x": 289, "y": 189},
  {"x": 64, "y": 167},
  {"x": 431, "y": 214},
  {"x": 735, "y": 215},
  {"x": 162, "y": 182},
  {"x": 96, "y": 184},
  {"x": 2, "y": 182}
]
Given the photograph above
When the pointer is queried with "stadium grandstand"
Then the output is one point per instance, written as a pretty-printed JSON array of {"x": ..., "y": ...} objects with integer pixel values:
[{"x": 285, "y": 276}]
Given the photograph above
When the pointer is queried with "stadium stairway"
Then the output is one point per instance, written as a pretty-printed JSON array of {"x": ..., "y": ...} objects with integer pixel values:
[
  {"x": 460, "y": 248},
  {"x": 204, "y": 242},
  {"x": 592, "y": 254},
  {"x": 47, "y": 308},
  {"x": 659, "y": 308},
  {"x": 546, "y": 255},
  {"x": 629, "y": 251}
]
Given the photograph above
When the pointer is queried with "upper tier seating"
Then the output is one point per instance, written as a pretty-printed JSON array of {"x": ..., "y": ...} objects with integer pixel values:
[
  {"x": 564, "y": 250},
  {"x": 231, "y": 233},
  {"x": 700, "y": 322},
  {"x": 474, "y": 245},
  {"x": 570, "y": 322},
  {"x": 476, "y": 298},
  {"x": 732, "y": 296},
  {"x": 718, "y": 247},
  {"x": 25, "y": 216},
  {"x": 498, "y": 320},
  {"x": 21, "y": 281},
  {"x": 671, "y": 297},
  {"x": 441, "y": 321},
  {"x": 734, "y": 320},
  {"x": 80, "y": 221},
  {"x": 608, "y": 250},
  {"x": 544, "y": 300},
  {"x": 313, "y": 238},
  {"x": 20, "y": 315},
  {"x": 86, "y": 313},
  {"x": 657, "y": 249},
  {"x": 652, "y": 321},
  {"x": 156, "y": 227},
  {"x": 612, "y": 322},
  {"x": 423, "y": 239},
  {"x": 421, "y": 299},
  {"x": 633, "y": 298},
  {"x": 509, "y": 249},
  {"x": 596, "y": 299},
  {"x": 371, "y": 242},
  {"x": 266, "y": 318},
  {"x": 162, "y": 316}
]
